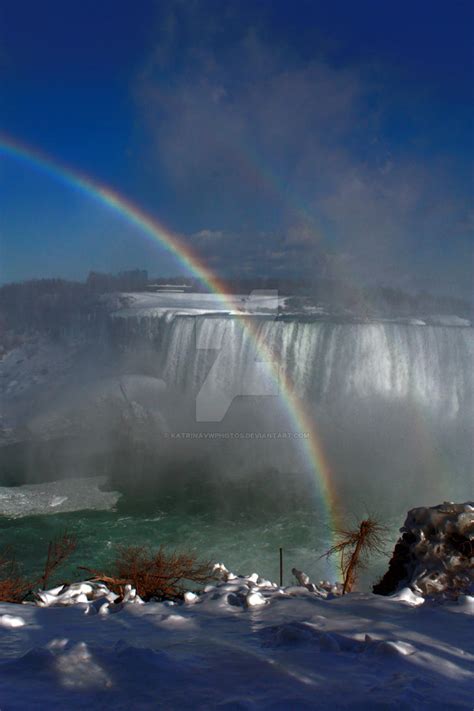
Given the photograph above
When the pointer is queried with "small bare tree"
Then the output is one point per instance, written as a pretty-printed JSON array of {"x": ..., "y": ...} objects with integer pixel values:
[{"x": 354, "y": 548}]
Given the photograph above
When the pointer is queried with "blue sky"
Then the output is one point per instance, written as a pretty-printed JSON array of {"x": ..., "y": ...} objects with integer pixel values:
[{"x": 280, "y": 138}]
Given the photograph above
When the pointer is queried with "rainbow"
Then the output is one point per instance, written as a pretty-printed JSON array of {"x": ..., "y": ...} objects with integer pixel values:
[{"x": 159, "y": 234}]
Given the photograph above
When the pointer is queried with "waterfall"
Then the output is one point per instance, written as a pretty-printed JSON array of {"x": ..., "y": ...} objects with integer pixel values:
[
  {"x": 393, "y": 402},
  {"x": 331, "y": 364}
]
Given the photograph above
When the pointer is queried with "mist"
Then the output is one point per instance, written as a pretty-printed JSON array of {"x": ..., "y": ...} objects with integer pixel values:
[{"x": 391, "y": 404}]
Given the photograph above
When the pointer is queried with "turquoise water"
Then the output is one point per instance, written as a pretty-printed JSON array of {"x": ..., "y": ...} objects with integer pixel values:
[
  {"x": 243, "y": 543},
  {"x": 245, "y": 538}
]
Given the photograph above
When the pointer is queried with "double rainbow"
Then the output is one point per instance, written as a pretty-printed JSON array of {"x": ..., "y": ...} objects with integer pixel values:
[{"x": 159, "y": 234}]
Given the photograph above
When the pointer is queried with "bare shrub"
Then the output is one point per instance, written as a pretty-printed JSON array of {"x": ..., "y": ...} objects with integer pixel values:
[
  {"x": 13, "y": 586},
  {"x": 156, "y": 574}
]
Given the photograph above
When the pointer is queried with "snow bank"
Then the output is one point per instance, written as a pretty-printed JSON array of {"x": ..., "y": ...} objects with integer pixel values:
[
  {"x": 169, "y": 304},
  {"x": 11, "y": 621},
  {"x": 435, "y": 555},
  {"x": 244, "y": 643}
]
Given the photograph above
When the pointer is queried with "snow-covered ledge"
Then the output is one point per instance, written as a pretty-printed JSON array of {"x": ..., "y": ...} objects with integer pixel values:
[{"x": 435, "y": 554}]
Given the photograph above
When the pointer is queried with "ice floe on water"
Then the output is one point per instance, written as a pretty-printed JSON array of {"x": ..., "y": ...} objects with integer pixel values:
[{"x": 56, "y": 497}]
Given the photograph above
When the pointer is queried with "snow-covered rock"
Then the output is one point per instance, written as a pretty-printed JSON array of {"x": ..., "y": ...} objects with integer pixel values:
[
  {"x": 407, "y": 595},
  {"x": 85, "y": 592},
  {"x": 301, "y": 577},
  {"x": 466, "y": 602},
  {"x": 255, "y": 599},
  {"x": 131, "y": 595},
  {"x": 435, "y": 555},
  {"x": 190, "y": 598}
]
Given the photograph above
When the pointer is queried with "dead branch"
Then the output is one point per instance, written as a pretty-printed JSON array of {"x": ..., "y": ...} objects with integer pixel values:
[{"x": 59, "y": 550}]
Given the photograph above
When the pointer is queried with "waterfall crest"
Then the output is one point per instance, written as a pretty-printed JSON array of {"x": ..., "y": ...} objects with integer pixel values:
[{"x": 329, "y": 364}]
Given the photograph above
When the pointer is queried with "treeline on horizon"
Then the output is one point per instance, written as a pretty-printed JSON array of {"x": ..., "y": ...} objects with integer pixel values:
[{"x": 38, "y": 303}]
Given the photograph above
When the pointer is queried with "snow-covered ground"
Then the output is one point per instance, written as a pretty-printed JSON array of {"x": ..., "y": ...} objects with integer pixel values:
[
  {"x": 172, "y": 303},
  {"x": 258, "y": 302},
  {"x": 448, "y": 320},
  {"x": 243, "y": 644}
]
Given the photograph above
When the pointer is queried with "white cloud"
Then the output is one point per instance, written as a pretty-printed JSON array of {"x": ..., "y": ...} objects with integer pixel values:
[{"x": 289, "y": 155}]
